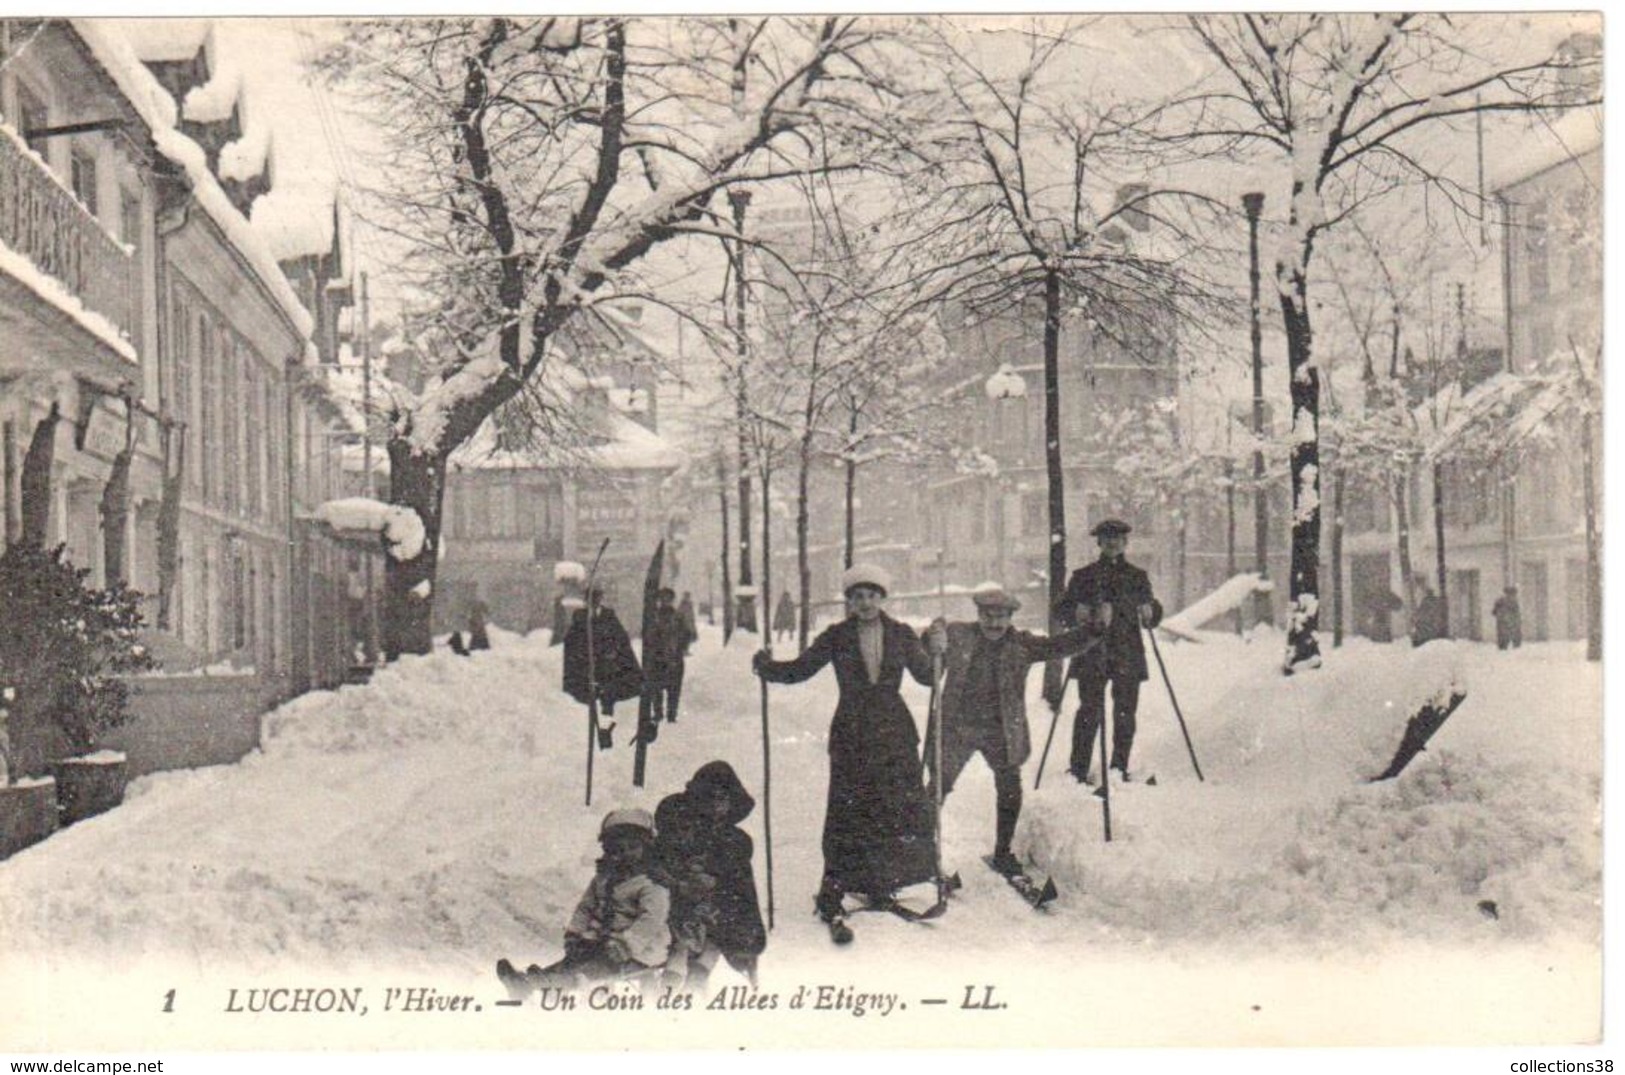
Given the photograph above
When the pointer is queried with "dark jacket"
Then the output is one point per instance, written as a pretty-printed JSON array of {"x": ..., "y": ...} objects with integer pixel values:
[
  {"x": 1125, "y": 588},
  {"x": 1015, "y": 653},
  {"x": 878, "y": 831},
  {"x": 665, "y": 645},
  {"x": 709, "y": 859},
  {"x": 615, "y": 665}
]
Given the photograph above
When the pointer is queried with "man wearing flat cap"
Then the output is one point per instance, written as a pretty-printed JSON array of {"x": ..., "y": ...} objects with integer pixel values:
[
  {"x": 1116, "y": 596},
  {"x": 984, "y": 707}
]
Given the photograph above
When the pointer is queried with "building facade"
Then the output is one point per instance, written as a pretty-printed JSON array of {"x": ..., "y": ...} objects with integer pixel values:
[{"x": 158, "y": 414}]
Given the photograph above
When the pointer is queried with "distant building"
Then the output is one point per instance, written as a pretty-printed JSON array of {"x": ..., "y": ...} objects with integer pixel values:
[{"x": 511, "y": 514}]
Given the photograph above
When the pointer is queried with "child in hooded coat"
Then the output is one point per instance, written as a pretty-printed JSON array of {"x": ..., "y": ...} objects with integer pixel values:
[
  {"x": 708, "y": 861},
  {"x": 620, "y": 927}
]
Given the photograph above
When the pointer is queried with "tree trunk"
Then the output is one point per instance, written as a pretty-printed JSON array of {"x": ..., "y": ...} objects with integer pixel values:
[
  {"x": 1052, "y": 468},
  {"x": 1439, "y": 550},
  {"x": 115, "y": 510},
  {"x": 1402, "y": 524},
  {"x": 418, "y": 482},
  {"x": 803, "y": 526},
  {"x": 1337, "y": 558},
  {"x": 1303, "y": 650},
  {"x": 727, "y": 577},
  {"x": 36, "y": 480},
  {"x": 169, "y": 521},
  {"x": 764, "y": 594},
  {"x": 851, "y": 492}
]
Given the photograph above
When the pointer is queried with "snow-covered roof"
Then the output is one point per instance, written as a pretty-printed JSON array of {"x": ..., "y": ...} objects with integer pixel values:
[
  {"x": 114, "y": 51},
  {"x": 623, "y": 445},
  {"x": 1571, "y": 135}
]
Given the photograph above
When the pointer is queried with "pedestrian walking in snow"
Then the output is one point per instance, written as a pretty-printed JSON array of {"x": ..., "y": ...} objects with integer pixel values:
[
  {"x": 707, "y": 860},
  {"x": 1115, "y": 596},
  {"x": 878, "y": 820},
  {"x": 1383, "y": 605},
  {"x": 685, "y": 610},
  {"x": 784, "y": 617},
  {"x": 615, "y": 665},
  {"x": 983, "y": 708},
  {"x": 665, "y": 648},
  {"x": 1429, "y": 621},
  {"x": 619, "y": 929},
  {"x": 1508, "y": 619},
  {"x": 477, "y": 637}
]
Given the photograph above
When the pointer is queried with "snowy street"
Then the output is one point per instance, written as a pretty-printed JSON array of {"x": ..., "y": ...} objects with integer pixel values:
[{"x": 409, "y": 832}]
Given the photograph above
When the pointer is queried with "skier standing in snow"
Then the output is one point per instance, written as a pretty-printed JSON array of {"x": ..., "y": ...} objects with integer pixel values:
[
  {"x": 983, "y": 707},
  {"x": 619, "y": 929},
  {"x": 707, "y": 858},
  {"x": 664, "y": 648},
  {"x": 1116, "y": 596},
  {"x": 878, "y": 830},
  {"x": 615, "y": 665}
]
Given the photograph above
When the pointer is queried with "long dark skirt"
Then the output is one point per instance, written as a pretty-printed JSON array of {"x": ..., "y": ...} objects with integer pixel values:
[{"x": 878, "y": 828}]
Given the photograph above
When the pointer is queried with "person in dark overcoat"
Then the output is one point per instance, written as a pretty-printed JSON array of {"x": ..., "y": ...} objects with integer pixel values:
[
  {"x": 1428, "y": 622},
  {"x": 665, "y": 649},
  {"x": 878, "y": 826},
  {"x": 699, "y": 845},
  {"x": 615, "y": 664},
  {"x": 1115, "y": 596},
  {"x": 784, "y": 617},
  {"x": 983, "y": 707},
  {"x": 685, "y": 610},
  {"x": 1508, "y": 619}
]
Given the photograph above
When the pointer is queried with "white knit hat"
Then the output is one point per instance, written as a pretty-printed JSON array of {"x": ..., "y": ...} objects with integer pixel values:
[
  {"x": 869, "y": 575},
  {"x": 638, "y": 819}
]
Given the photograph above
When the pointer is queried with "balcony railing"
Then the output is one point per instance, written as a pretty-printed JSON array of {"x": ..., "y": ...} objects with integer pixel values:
[{"x": 41, "y": 220}]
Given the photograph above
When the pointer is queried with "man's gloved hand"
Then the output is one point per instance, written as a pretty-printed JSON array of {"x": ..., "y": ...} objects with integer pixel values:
[
  {"x": 1146, "y": 614},
  {"x": 758, "y": 659},
  {"x": 936, "y": 637}
]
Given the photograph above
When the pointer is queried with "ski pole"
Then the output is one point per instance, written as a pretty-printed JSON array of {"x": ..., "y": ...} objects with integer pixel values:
[
  {"x": 767, "y": 793},
  {"x": 1169, "y": 684},
  {"x": 592, "y": 672},
  {"x": 1105, "y": 769},
  {"x": 936, "y": 762},
  {"x": 1055, "y": 718}
]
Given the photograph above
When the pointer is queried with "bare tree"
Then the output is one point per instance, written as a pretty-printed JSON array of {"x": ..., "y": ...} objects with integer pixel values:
[
  {"x": 537, "y": 163},
  {"x": 1032, "y": 206},
  {"x": 1345, "y": 103}
]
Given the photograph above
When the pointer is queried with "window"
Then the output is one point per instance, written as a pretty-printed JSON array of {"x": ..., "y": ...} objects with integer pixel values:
[
  {"x": 32, "y": 115},
  {"x": 1534, "y": 247},
  {"x": 84, "y": 177},
  {"x": 253, "y": 423},
  {"x": 208, "y": 434},
  {"x": 129, "y": 219}
]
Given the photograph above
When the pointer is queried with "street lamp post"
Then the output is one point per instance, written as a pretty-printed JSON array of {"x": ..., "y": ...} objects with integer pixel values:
[
  {"x": 739, "y": 201},
  {"x": 1253, "y": 204}
]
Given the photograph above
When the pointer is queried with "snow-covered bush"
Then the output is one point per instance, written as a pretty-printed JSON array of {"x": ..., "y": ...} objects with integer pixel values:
[{"x": 65, "y": 646}]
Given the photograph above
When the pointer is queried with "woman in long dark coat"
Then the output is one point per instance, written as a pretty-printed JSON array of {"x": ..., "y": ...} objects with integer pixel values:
[
  {"x": 878, "y": 831},
  {"x": 615, "y": 665}
]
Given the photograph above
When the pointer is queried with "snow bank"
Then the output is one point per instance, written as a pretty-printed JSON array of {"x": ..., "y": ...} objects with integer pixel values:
[{"x": 1227, "y": 598}]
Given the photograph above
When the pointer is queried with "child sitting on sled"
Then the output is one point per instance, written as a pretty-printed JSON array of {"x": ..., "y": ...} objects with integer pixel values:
[
  {"x": 706, "y": 860},
  {"x": 619, "y": 930}
]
